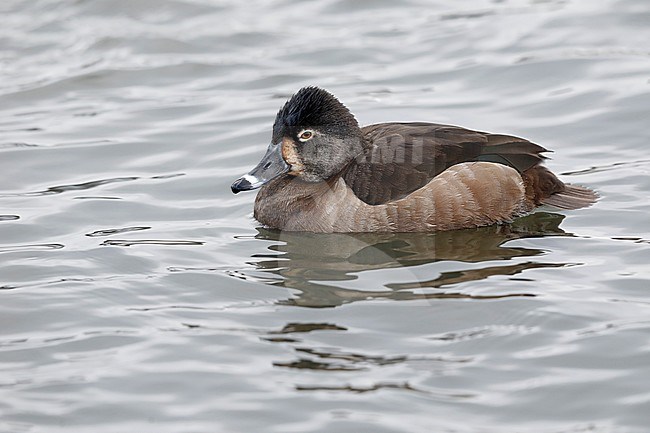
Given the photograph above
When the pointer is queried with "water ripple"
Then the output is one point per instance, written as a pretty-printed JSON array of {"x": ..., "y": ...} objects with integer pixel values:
[
  {"x": 31, "y": 247},
  {"x": 109, "y": 232},
  {"x": 71, "y": 187},
  {"x": 131, "y": 242}
]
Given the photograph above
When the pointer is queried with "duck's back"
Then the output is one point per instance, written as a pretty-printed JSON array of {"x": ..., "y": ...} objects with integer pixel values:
[{"x": 400, "y": 158}]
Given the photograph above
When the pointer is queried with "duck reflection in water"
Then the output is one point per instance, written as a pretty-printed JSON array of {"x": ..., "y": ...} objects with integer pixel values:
[{"x": 318, "y": 265}]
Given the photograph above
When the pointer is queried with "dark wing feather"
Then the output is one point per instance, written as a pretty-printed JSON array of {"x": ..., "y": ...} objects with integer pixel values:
[
  {"x": 403, "y": 157},
  {"x": 513, "y": 151}
]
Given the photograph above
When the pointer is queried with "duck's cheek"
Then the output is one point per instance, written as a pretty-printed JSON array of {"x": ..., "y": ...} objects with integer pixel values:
[{"x": 291, "y": 157}]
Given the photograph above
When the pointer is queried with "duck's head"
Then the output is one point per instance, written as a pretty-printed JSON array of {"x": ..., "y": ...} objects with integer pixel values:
[{"x": 314, "y": 137}]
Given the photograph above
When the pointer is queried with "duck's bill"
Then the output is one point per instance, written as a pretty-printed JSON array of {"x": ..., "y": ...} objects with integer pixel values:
[{"x": 271, "y": 166}]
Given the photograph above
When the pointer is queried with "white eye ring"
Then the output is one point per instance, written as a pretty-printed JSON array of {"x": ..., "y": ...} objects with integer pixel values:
[{"x": 305, "y": 134}]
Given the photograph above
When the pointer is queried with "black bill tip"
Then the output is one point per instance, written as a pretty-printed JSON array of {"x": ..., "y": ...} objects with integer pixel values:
[{"x": 245, "y": 183}]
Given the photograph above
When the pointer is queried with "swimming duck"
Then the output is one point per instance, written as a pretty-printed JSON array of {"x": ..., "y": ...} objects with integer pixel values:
[{"x": 323, "y": 173}]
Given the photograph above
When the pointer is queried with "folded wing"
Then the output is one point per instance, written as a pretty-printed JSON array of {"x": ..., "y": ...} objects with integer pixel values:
[{"x": 403, "y": 157}]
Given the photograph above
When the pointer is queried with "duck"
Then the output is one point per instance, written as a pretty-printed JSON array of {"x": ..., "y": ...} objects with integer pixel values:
[{"x": 323, "y": 173}]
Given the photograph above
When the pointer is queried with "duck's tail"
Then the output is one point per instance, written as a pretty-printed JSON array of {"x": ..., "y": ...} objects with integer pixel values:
[
  {"x": 544, "y": 188},
  {"x": 572, "y": 197}
]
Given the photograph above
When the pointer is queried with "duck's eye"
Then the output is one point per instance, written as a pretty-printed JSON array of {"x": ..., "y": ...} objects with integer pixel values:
[{"x": 305, "y": 135}]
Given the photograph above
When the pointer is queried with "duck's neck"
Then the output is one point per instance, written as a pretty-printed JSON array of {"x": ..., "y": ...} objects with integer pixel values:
[{"x": 284, "y": 197}]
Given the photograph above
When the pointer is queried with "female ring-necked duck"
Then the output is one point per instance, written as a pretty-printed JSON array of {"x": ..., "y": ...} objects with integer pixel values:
[{"x": 323, "y": 173}]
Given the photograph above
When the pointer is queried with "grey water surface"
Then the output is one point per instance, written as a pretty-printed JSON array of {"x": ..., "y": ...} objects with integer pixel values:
[{"x": 137, "y": 294}]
